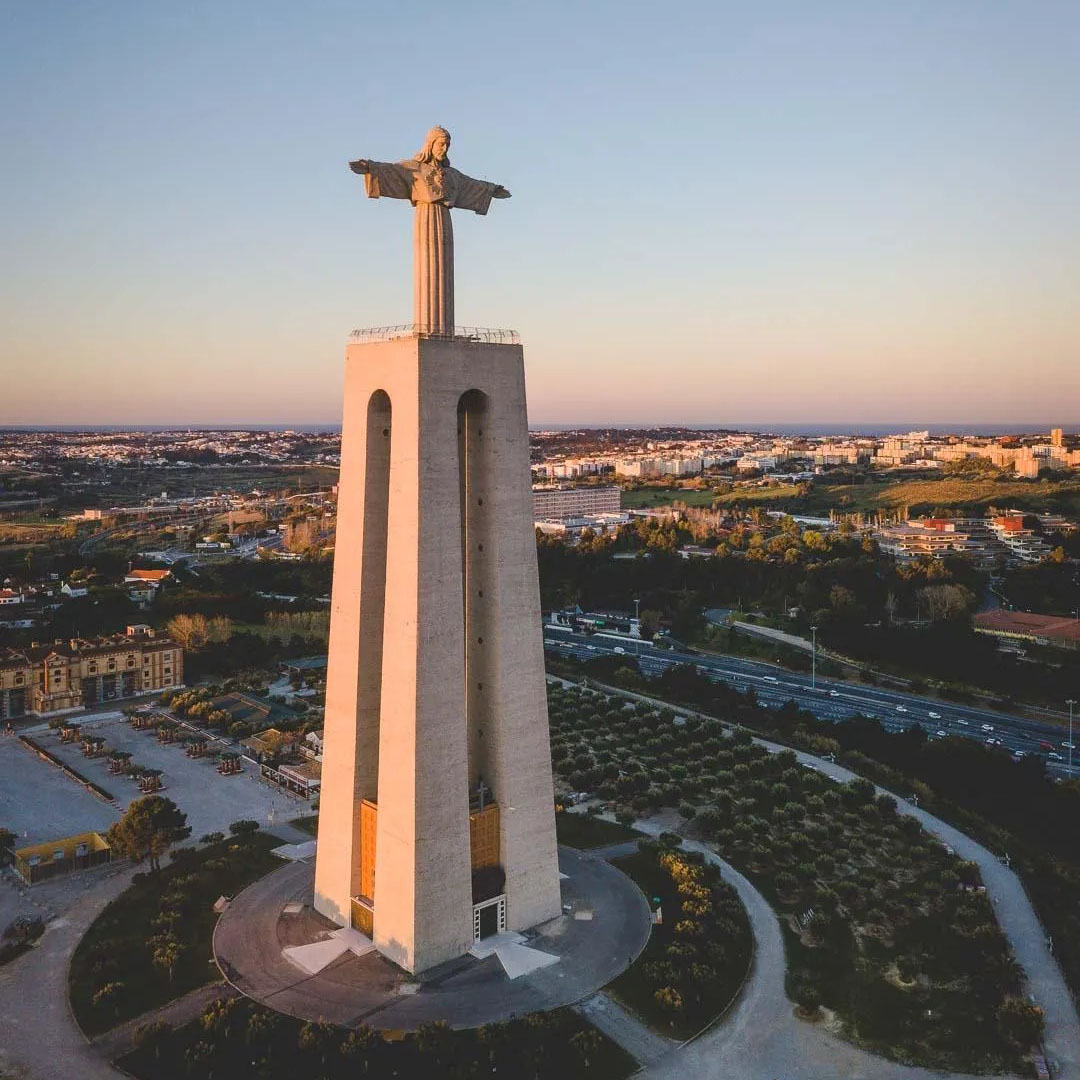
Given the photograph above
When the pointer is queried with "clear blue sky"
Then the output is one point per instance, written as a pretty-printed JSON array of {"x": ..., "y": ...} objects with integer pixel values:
[{"x": 785, "y": 211}]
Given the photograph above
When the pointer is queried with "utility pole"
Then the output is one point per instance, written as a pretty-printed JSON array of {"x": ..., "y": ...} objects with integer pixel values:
[
  {"x": 813, "y": 662},
  {"x": 1071, "y": 703}
]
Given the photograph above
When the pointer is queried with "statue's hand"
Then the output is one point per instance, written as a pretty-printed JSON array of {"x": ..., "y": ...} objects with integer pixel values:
[
  {"x": 361, "y": 166},
  {"x": 500, "y": 192}
]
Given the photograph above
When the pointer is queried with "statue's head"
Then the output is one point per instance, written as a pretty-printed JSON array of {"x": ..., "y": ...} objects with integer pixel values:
[{"x": 436, "y": 147}]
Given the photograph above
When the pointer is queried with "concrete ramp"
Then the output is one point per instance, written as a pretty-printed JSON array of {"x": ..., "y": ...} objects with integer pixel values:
[
  {"x": 295, "y": 852},
  {"x": 316, "y": 956},
  {"x": 518, "y": 960},
  {"x": 483, "y": 948}
]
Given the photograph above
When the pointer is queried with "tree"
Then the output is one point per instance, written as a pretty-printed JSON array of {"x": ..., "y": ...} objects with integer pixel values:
[
  {"x": 434, "y": 1040},
  {"x": 359, "y": 1045},
  {"x": 147, "y": 830},
  {"x": 152, "y": 1038},
  {"x": 1020, "y": 1022},
  {"x": 650, "y": 623},
  {"x": 809, "y": 1000},
  {"x": 167, "y": 955},
  {"x": 190, "y": 631},
  {"x": 669, "y": 999},
  {"x": 109, "y": 994},
  {"x": 244, "y": 827},
  {"x": 586, "y": 1042}
]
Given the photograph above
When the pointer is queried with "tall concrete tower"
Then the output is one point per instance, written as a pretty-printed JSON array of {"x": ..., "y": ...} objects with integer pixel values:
[{"x": 436, "y": 822}]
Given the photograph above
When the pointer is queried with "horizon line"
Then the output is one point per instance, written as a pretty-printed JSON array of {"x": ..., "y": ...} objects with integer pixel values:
[{"x": 700, "y": 425}]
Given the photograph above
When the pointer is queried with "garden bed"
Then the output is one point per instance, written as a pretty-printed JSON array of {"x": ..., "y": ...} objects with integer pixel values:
[
  {"x": 243, "y": 1041},
  {"x": 583, "y": 831},
  {"x": 698, "y": 955},
  {"x": 884, "y": 925},
  {"x": 153, "y": 943}
]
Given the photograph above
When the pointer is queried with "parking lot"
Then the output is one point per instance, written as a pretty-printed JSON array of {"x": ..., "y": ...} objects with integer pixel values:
[{"x": 39, "y": 802}]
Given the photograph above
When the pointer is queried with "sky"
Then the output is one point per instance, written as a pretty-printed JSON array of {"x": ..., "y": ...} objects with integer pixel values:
[{"x": 778, "y": 212}]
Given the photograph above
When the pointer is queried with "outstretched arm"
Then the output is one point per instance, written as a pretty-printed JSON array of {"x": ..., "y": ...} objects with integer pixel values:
[
  {"x": 476, "y": 195},
  {"x": 384, "y": 179}
]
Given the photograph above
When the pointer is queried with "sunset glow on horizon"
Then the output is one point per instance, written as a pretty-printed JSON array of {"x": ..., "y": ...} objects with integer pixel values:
[{"x": 852, "y": 213}]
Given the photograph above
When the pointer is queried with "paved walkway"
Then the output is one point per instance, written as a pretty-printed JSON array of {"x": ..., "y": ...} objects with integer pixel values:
[
  {"x": 641, "y": 1042},
  {"x": 40, "y": 1040},
  {"x": 182, "y": 1010}
]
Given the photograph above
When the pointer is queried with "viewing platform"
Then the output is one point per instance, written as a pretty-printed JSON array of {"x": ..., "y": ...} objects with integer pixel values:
[{"x": 484, "y": 334}]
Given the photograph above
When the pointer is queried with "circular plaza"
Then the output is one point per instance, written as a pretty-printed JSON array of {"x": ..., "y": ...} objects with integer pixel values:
[{"x": 276, "y": 949}]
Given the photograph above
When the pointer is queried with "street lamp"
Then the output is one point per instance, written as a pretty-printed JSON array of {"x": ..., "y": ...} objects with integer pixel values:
[
  {"x": 1071, "y": 703},
  {"x": 813, "y": 660}
]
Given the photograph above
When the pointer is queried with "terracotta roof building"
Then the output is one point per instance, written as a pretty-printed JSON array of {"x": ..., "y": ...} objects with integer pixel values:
[
  {"x": 151, "y": 577},
  {"x": 1022, "y": 625},
  {"x": 66, "y": 675}
]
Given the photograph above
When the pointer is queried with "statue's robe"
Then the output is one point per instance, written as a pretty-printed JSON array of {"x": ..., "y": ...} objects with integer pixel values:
[{"x": 433, "y": 189}]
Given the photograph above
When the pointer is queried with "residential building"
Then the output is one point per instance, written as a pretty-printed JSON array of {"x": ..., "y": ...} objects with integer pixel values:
[
  {"x": 573, "y": 526},
  {"x": 156, "y": 578},
  {"x": 560, "y": 503},
  {"x": 1022, "y": 542},
  {"x": 935, "y": 537}
]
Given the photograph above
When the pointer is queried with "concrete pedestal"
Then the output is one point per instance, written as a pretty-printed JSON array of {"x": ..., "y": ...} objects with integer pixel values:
[{"x": 436, "y": 676}]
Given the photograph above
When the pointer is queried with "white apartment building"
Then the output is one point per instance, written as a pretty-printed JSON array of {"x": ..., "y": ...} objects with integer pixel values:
[{"x": 559, "y": 503}]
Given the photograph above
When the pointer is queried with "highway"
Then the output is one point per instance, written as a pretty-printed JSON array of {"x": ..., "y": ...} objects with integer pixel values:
[{"x": 831, "y": 700}]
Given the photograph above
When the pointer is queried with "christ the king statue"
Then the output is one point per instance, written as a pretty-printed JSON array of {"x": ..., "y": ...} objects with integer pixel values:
[{"x": 433, "y": 187}]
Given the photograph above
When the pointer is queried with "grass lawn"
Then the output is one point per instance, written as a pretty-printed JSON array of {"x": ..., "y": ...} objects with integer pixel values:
[
  {"x": 116, "y": 951},
  {"x": 701, "y": 949},
  {"x": 582, "y": 831},
  {"x": 920, "y": 495},
  {"x": 309, "y": 823},
  {"x": 664, "y": 496}
]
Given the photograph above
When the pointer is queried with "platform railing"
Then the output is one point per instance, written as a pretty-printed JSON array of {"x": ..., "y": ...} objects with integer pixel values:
[{"x": 467, "y": 333}]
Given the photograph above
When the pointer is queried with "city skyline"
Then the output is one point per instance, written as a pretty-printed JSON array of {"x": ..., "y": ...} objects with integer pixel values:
[{"x": 850, "y": 212}]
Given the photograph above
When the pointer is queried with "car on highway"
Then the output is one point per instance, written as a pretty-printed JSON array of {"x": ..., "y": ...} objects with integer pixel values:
[
  {"x": 901, "y": 708},
  {"x": 962, "y": 723},
  {"x": 940, "y": 733},
  {"x": 834, "y": 693},
  {"x": 934, "y": 715},
  {"x": 1054, "y": 756},
  {"x": 619, "y": 649},
  {"x": 1068, "y": 746},
  {"x": 993, "y": 742},
  {"x": 987, "y": 727},
  {"x": 770, "y": 678}
]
